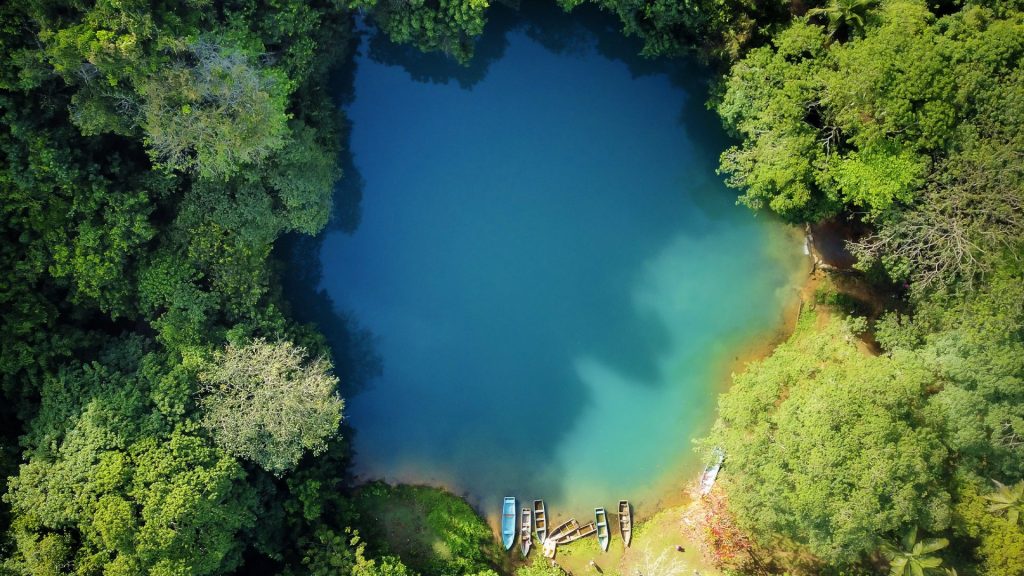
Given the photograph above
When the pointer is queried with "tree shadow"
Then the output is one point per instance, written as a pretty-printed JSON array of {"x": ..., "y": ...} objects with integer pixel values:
[
  {"x": 436, "y": 67},
  {"x": 356, "y": 360},
  {"x": 346, "y": 210},
  {"x": 354, "y": 352},
  {"x": 583, "y": 30}
]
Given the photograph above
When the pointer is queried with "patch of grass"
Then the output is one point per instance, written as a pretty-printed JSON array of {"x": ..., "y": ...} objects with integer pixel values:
[
  {"x": 844, "y": 302},
  {"x": 434, "y": 532},
  {"x": 653, "y": 551}
]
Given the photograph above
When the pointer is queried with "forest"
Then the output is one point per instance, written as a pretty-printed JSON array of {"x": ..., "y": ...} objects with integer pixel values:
[{"x": 154, "y": 153}]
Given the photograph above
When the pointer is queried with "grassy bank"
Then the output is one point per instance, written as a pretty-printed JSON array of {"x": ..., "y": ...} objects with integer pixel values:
[
  {"x": 653, "y": 551},
  {"x": 433, "y": 531}
]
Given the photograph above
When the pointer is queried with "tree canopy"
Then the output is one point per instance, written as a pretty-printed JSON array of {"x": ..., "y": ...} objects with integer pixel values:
[
  {"x": 270, "y": 403},
  {"x": 164, "y": 414},
  {"x": 825, "y": 447}
]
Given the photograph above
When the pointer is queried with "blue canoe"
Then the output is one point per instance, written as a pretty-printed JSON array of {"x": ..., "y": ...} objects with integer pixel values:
[
  {"x": 508, "y": 522},
  {"x": 604, "y": 535}
]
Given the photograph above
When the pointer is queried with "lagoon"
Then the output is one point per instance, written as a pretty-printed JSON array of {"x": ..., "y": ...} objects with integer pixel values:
[{"x": 548, "y": 281}]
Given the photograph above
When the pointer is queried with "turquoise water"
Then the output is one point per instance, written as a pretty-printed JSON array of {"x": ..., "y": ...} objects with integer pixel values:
[{"x": 552, "y": 273}]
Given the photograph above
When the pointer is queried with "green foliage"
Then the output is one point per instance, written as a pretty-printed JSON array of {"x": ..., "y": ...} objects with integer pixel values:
[
  {"x": 766, "y": 101},
  {"x": 79, "y": 213},
  {"x": 450, "y": 26},
  {"x": 270, "y": 403},
  {"x": 539, "y": 566},
  {"x": 975, "y": 350},
  {"x": 877, "y": 179},
  {"x": 999, "y": 543},
  {"x": 1007, "y": 500},
  {"x": 153, "y": 153},
  {"x": 913, "y": 557},
  {"x": 303, "y": 177},
  {"x": 969, "y": 217},
  {"x": 720, "y": 28},
  {"x": 825, "y": 449},
  {"x": 892, "y": 122},
  {"x": 845, "y": 17},
  {"x": 955, "y": 371},
  {"x": 432, "y": 531},
  {"x": 212, "y": 110},
  {"x": 841, "y": 301},
  {"x": 118, "y": 477},
  {"x": 386, "y": 566},
  {"x": 113, "y": 483}
]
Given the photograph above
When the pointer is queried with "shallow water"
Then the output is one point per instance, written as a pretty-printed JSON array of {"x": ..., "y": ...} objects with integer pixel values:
[{"x": 553, "y": 274}]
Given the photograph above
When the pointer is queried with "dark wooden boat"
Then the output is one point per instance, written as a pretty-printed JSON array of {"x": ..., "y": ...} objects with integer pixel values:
[
  {"x": 526, "y": 532},
  {"x": 540, "y": 521},
  {"x": 508, "y": 522},
  {"x": 587, "y": 529},
  {"x": 603, "y": 534},
  {"x": 625, "y": 522}
]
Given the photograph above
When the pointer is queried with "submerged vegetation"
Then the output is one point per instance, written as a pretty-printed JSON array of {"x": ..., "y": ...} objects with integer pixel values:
[{"x": 163, "y": 414}]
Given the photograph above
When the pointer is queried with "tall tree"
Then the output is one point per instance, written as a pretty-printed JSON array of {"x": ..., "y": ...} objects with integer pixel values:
[
  {"x": 213, "y": 110},
  {"x": 270, "y": 403},
  {"x": 825, "y": 447}
]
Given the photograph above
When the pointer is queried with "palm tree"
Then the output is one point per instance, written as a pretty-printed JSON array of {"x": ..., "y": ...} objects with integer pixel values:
[
  {"x": 844, "y": 15},
  {"x": 913, "y": 557},
  {"x": 1009, "y": 499}
]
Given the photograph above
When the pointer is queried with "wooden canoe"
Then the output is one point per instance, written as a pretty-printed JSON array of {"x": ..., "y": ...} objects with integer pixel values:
[
  {"x": 526, "y": 532},
  {"x": 587, "y": 529},
  {"x": 540, "y": 521},
  {"x": 508, "y": 522},
  {"x": 625, "y": 522},
  {"x": 569, "y": 534},
  {"x": 561, "y": 529},
  {"x": 603, "y": 535}
]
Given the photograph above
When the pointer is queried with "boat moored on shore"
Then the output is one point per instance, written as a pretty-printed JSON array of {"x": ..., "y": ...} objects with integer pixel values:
[
  {"x": 625, "y": 522},
  {"x": 508, "y": 522},
  {"x": 526, "y": 531},
  {"x": 603, "y": 534},
  {"x": 562, "y": 529},
  {"x": 580, "y": 532},
  {"x": 540, "y": 521}
]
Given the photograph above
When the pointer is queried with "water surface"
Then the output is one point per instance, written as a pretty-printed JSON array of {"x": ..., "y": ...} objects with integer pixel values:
[{"x": 553, "y": 274}]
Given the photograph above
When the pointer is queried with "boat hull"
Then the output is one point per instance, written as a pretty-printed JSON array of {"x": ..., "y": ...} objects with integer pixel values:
[
  {"x": 540, "y": 521},
  {"x": 625, "y": 522},
  {"x": 508, "y": 522},
  {"x": 562, "y": 529},
  {"x": 526, "y": 532},
  {"x": 603, "y": 534}
]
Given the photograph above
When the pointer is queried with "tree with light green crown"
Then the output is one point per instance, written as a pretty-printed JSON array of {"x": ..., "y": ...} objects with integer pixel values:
[{"x": 268, "y": 402}]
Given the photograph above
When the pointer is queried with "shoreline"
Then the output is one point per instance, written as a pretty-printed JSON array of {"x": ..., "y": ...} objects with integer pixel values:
[
  {"x": 802, "y": 284},
  {"x": 668, "y": 496},
  {"x": 661, "y": 526}
]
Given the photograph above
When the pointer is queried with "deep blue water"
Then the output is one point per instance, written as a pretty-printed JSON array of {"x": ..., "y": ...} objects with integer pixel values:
[{"x": 553, "y": 274}]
